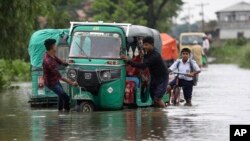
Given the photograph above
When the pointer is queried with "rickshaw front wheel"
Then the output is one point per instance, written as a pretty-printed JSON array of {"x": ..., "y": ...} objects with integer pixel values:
[{"x": 86, "y": 106}]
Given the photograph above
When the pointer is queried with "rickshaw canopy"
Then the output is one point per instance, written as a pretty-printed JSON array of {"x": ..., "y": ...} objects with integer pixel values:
[
  {"x": 143, "y": 31},
  {"x": 169, "y": 47},
  {"x": 137, "y": 30},
  {"x": 36, "y": 47}
]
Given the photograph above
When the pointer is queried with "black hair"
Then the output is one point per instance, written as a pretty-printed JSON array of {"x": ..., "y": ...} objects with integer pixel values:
[
  {"x": 149, "y": 40},
  {"x": 186, "y": 50},
  {"x": 48, "y": 43}
]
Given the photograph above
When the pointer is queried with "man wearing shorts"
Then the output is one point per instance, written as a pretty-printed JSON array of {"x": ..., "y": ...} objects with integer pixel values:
[{"x": 159, "y": 77}]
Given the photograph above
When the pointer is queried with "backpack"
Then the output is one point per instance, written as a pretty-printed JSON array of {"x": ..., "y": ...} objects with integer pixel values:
[{"x": 195, "y": 78}]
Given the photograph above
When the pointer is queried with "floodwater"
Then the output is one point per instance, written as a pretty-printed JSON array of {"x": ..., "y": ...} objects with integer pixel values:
[{"x": 221, "y": 98}]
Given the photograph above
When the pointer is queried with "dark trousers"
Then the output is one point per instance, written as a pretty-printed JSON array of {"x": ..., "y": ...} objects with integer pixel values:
[
  {"x": 63, "y": 98},
  {"x": 187, "y": 87}
]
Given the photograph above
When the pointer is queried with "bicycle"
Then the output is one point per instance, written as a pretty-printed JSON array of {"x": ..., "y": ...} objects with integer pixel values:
[{"x": 175, "y": 95}]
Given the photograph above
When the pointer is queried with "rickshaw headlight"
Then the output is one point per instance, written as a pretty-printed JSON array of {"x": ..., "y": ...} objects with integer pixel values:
[
  {"x": 106, "y": 75},
  {"x": 72, "y": 74}
]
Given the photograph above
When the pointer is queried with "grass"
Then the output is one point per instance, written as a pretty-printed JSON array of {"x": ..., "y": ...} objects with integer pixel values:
[
  {"x": 232, "y": 54},
  {"x": 13, "y": 71},
  {"x": 245, "y": 58}
]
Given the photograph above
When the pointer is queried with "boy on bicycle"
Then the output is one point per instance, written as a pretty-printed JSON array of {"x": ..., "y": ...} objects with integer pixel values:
[{"x": 186, "y": 70}]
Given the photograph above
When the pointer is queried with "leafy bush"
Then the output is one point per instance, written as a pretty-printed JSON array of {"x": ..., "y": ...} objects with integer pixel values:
[
  {"x": 2, "y": 80},
  {"x": 245, "y": 58},
  {"x": 16, "y": 70},
  {"x": 241, "y": 41},
  {"x": 232, "y": 53},
  {"x": 226, "y": 53},
  {"x": 236, "y": 42}
]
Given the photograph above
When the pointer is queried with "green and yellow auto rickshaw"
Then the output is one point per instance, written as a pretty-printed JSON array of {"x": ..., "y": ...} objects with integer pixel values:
[
  {"x": 104, "y": 80},
  {"x": 41, "y": 95}
]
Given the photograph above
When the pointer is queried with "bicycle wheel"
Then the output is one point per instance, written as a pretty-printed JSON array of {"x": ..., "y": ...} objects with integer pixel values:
[{"x": 176, "y": 95}]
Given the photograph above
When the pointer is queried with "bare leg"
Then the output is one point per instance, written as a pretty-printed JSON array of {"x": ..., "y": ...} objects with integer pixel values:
[
  {"x": 159, "y": 103},
  {"x": 169, "y": 90}
]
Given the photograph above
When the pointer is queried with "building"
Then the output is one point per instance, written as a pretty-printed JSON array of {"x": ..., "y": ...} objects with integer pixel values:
[{"x": 234, "y": 21}]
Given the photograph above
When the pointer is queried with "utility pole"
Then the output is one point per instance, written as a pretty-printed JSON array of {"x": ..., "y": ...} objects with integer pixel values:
[
  {"x": 202, "y": 14},
  {"x": 188, "y": 17}
]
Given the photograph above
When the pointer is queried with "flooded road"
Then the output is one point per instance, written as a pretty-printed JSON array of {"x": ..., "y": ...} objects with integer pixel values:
[{"x": 221, "y": 98}]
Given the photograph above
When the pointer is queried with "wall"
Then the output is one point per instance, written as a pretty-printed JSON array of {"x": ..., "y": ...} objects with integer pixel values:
[{"x": 232, "y": 33}]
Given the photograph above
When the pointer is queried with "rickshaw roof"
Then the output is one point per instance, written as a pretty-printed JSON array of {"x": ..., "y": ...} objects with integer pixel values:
[
  {"x": 157, "y": 39},
  {"x": 129, "y": 29},
  {"x": 36, "y": 47},
  {"x": 137, "y": 30}
]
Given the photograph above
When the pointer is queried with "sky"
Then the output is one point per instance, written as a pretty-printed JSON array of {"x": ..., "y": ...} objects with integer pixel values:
[{"x": 211, "y": 6}]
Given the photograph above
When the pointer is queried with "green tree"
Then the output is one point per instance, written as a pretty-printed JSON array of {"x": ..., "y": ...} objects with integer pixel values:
[
  {"x": 131, "y": 11},
  {"x": 16, "y": 23},
  {"x": 152, "y": 13},
  {"x": 62, "y": 12},
  {"x": 160, "y": 13},
  {"x": 18, "y": 20}
]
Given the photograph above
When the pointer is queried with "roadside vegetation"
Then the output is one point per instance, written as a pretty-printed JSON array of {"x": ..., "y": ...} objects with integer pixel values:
[
  {"x": 13, "y": 71},
  {"x": 57, "y": 14},
  {"x": 232, "y": 52}
]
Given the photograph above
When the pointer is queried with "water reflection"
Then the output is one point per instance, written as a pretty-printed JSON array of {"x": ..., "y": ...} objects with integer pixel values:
[
  {"x": 14, "y": 118},
  {"x": 218, "y": 102},
  {"x": 116, "y": 125}
]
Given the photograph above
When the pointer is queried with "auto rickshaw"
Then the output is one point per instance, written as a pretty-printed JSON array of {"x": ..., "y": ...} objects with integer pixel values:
[
  {"x": 104, "y": 80},
  {"x": 189, "y": 39},
  {"x": 41, "y": 95}
]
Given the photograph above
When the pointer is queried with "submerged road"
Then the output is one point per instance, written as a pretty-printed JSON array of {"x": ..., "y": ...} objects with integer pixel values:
[{"x": 221, "y": 98}]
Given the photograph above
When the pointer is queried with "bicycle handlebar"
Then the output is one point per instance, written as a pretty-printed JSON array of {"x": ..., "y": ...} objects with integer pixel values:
[{"x": 178, "y": 73}]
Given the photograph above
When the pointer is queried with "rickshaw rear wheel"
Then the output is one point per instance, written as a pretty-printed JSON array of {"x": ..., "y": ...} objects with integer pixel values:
[{"x": 86, "y": 106}]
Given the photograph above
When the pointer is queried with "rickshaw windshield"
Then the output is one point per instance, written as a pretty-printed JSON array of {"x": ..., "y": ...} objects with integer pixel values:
[
  {"x": 191, "y": 39},
  {"x": 95, "y": 45}
]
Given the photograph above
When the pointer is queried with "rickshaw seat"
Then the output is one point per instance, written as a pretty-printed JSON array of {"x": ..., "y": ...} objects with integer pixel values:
[{"x": 135, "y": 79}]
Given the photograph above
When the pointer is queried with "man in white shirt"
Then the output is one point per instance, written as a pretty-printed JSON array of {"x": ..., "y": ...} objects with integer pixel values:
[
  {"x": 187, "y": 69},
  {"x": 205, "y": 46}
]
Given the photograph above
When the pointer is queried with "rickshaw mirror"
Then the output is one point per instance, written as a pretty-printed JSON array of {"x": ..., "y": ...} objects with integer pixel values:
[{"x": 64, "y": 35}]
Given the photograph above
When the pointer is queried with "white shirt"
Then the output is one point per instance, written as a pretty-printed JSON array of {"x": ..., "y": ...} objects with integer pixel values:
[
  {"x": 205, "y": 44},
  {"x": 184, "y": 68}
]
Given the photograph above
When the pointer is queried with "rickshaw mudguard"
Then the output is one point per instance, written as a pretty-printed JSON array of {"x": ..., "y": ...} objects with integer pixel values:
[{"x": 149, "y": 101}]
